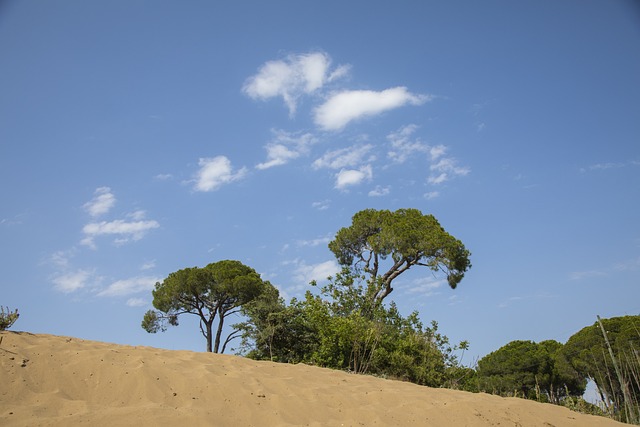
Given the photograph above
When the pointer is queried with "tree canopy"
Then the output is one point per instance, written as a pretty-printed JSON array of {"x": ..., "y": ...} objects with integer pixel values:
[
  {"x": 531, "y": 370},
  {"x": 215, "y": 291},
  {"x": 588, "y": 353},
  {"x": 407, "y": 238}
]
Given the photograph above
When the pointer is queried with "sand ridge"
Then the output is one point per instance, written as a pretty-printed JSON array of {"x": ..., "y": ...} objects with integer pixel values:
[{"x": 48, "y": 380}]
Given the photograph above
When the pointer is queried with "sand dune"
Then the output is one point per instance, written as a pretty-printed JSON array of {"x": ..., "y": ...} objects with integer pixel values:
[{"x": 50, "y": 380}]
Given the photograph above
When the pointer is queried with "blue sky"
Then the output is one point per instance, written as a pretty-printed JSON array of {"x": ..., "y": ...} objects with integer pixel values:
[{"x": 139, "y": 138}]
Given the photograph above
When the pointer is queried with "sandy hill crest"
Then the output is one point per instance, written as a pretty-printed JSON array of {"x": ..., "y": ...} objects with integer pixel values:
[{"x": 48, "y": 380}]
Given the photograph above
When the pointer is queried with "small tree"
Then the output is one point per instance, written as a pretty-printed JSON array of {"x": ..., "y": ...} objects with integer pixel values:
[
  {"x": 215, "y": 291},
  {"x": 8, "y": 318}
]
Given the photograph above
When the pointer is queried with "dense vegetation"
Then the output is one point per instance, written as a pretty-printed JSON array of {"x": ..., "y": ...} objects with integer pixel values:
[{"x": 350, "y": 324}]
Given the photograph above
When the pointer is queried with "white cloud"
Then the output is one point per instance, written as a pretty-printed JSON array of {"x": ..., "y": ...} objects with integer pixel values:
[
  {"x": 345, "y": 157},
  {"x": 126, "y": 231},
  {"x": 379, "y": 191},
  {"x": 402, "y": 147},
  {"x": 349, "y": 177},
  {"x": 446, "y": 168},
  {"x": 101, "y": 203},
  {"x": 321, "y": 205},
  {"x": 426, "y": 286},
  {"x": 344, "y": 107},
  {"x": 315, "y": 242},
  {"x": 286, "y": 147},
  {"x": 130, "y": 286},
  {"x": 215, "y": 172},
  {"x": 163, "y": 177},
  {"x": 148, "y": 265},
  {"x": 319, "y": 272},
  {"x": 431, "y": 195},
  {"x": 136, "y": 302},
  {"x": 292, "y": 77},
  {"x": 71, "y": 282},
  {"x": 437, "y": 152}
]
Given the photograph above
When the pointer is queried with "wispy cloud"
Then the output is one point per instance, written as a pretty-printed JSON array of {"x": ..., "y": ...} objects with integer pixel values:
[
  {"x": 286, "y": 147},
  {"x": 444, "y": 168},
  {"x": 321, "y": 205},
  {"x": 215, "y": 172},
  {"x": 315, "y": 242},
  {"x": 380, "y": 191},
  {"x": 632, "y": 264},
  {"x": 72, "y": 281},
  {"x": 609, "y": 165},
  {"x": 101, "y": 203},
  {"x": 345, "y": 157},
  {"x": 292, "y": 77},
  {"x": 124, "y": 230},
  {"x": 137, "y": 302},
  {"x": 129, "y": 286},
  {"x": 304, "y": 273},
  {"x": 344, "y": 107},
  {"x": 403, "y": 147},
  {"x": 134, "y": 227},
  {"x": 426, "y": 286}
]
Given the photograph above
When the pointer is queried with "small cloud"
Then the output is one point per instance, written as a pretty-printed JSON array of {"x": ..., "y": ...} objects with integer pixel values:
[
  {"x": 426, "y": 286},
  {"x": 431, "y": 195},
  {"x": 379, "y": 191},
  {"x": 581, "y": 275},
  {"x": 292, "y": 77},
  {"x": 345, "y": 157},
  {"x": 148, "y": 265},
  {"x": 101, "y": 203},
  {"x": 445, "y": 169},
  {"x": 286, "y": 147},
  {"x": 215, "y": 172},
  {"x": 130, "y": 286},
  {"x": 321, "y": 205},
  {"x": 344, "y": 107},
  {"x": 609, "y": 165},
  {"x": 315, "y": 242},
  {"x": 125, "y": 230},
  {"x": 350, "y": 177},
  {"x": 402, "y": 147},
  {"x": 71, "y": 282},
  {"x": 163, "y": 177},
  {"x": 137, "y": 302},
  {"x": 319, "y": 272}
]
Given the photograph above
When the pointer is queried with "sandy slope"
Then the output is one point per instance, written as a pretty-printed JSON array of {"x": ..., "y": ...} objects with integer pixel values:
[{"x": 61, "y": 381}]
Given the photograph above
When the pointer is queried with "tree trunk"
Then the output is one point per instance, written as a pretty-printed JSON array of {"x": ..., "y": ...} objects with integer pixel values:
[
  {"x": 209, "y": 335},
  {"x": 218, "y": 333}
]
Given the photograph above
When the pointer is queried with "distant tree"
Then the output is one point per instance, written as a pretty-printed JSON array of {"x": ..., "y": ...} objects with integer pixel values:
[
  {"x": 588, "y": 353},
  {"x": 408, "y": 238},
  {"x": 215, "y": 291},
  {"x": 7, "y": 318},
  {"x": 530, "y": 370}
]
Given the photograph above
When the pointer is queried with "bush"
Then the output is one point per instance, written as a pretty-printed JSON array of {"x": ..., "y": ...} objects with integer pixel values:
[{"x": 8, "y": 318}]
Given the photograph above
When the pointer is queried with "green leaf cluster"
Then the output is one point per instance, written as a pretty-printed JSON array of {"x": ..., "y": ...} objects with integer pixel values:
[
  {"x": 531, "y": 370},
  {"x": 588, "y": 353},
  {"x": 7, "y": 318},
  {"x": 341, "y": 328},
  {"x": 401, "y": 240}
]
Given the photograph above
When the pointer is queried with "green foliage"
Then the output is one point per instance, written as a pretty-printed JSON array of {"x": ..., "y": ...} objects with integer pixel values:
[
  {"x": 7, "y": 318},
  {"x": 533, "y": 371},
  {"x": 403, "y": 239},
  {"x": 587, "y": 352},
  {"x": 217, "y": 290},
  {"x": 343, "y": 329}
]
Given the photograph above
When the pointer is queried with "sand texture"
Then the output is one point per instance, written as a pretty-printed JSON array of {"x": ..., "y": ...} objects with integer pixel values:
[{"x": 48, "y": 380}]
